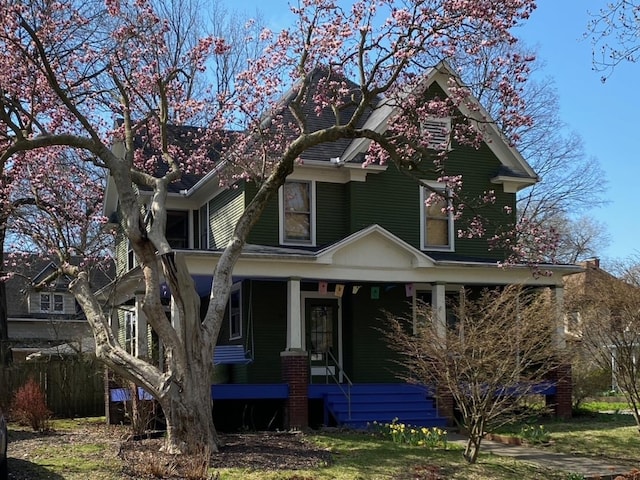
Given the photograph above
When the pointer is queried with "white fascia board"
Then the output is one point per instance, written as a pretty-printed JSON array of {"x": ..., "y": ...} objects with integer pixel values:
[
  {"x": 513, "y": 184},
  {"x": 203, "y": 263},
  {"x": 324, "y": 171}
]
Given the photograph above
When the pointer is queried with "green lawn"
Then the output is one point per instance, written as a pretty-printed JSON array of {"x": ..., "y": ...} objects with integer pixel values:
[
  {"x": 354, "y": 456},
  {"x": 362, "y": 456}
]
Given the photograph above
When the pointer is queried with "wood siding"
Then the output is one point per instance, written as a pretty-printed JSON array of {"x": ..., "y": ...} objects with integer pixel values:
[{"x": 224, "y": 211}]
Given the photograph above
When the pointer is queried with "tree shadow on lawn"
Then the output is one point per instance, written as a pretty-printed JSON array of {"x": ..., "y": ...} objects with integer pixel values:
[{"x": 20, "y": 469}]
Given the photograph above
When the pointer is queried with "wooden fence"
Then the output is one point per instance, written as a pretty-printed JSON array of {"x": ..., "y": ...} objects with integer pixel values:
[{"x": 72, "y": 387}]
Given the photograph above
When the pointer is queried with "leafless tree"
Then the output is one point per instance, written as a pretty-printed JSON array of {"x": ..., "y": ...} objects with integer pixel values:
[
  {"x": 495, "y": 355},
  {"x": 607, "y": 310},
  {"x": 614, "y": 32}
]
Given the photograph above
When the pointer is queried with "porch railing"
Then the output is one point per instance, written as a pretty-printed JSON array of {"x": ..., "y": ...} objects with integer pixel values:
[{"x": 334, "y": 375}]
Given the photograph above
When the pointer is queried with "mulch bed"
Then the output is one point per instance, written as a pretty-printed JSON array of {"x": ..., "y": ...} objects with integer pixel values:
[{"x": 255, "y": 451}]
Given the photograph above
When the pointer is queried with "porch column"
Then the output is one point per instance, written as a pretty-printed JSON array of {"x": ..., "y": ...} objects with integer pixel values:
[
  {"x": 295, "y": 373},
  {"x": 294, "y": 316},
  {"x": 438, "y": 304},
  {"x": 559, "y": 332},
  {"x": 561, "y": 402},
  {"x": 295, "y": 362},
  {"x": 141, "y": 348}
]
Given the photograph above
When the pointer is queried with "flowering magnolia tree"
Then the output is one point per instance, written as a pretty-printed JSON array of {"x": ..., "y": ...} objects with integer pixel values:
[{"x": 81, "y": 76}]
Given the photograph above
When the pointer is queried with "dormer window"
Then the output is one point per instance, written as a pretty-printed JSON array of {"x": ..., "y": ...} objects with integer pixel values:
[
  {"x": 436, "y": 219},
  {"x": 438, "y": 130},
  {"x": 297, "y": 213}
]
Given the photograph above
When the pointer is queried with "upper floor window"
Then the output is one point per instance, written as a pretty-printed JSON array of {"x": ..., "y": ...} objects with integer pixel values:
[
  {"x": 438, "y": 130},
  {"x": 235, "y": 312},
  {"x": 436, "y": 219},
  {"x": 297, "y": 213},
  {"x": 177, "y": 232},
  {"x": 51, "y": 302}
]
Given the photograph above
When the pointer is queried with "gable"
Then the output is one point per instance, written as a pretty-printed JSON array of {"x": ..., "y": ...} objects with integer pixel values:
[{"x": 375, "y": 248}]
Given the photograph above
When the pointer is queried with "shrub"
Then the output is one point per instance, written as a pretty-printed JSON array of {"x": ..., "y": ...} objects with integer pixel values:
[{"x": 30, "y": 408}]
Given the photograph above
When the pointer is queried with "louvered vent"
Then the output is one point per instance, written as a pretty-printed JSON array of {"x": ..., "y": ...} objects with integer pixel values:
[{"x": 438, "y": 129}]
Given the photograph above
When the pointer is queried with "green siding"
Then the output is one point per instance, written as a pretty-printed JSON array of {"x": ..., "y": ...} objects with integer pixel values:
[
  {"x": 368, "y": 357},
  {"x": 331, "y": 212},
  {"x": 268, "y": 319},
  {"x": 224, "y": 211},
  {"x": 389, "y": 199},
  {"x": 266, "y": 230}
]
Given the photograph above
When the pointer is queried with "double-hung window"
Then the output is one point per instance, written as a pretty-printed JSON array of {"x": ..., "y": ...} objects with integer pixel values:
[
  {"x": 297, "y": 213},
  {"x": 436, "y": 219},
  {"x": 51, "y": 303}
]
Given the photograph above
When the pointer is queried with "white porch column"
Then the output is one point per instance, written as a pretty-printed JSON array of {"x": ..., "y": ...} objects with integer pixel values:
[
  {"x": 294, "y": 316},
  {"x": 438, "y": 304},
  {"x": 141, "y": 348},
  {"x": 559, "y": 332}
]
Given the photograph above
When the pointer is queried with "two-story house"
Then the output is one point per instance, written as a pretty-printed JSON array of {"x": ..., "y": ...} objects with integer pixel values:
[
  {"x": 44, "y": 314},
  {"x": 339, "y": 246}
]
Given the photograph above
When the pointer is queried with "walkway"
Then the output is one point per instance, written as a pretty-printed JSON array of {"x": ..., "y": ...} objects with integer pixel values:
[{"x": 590, "y": 468}]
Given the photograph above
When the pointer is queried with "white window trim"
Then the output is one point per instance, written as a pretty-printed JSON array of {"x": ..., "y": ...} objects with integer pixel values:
[
  {"x": 434, "y": 125},
  {"x": 424, "y": 194},
  {"x": 237, "y": 288},
  {"x": 52, "y": 303},
  {"x": 312, "y": 226}
]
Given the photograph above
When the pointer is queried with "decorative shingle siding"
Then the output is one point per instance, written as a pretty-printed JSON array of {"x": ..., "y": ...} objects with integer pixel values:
[{"x": 224, "y": 211}]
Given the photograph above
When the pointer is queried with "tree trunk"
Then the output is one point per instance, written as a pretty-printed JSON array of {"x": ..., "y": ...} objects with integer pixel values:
[
  {"x": 188, "y": 412},
  {"x": 476, "y": 432}
]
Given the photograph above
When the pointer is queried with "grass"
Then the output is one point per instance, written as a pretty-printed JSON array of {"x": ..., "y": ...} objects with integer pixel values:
[
  {"x": 591, "y": 434},
  {"x": 361, "y": 456},
  {"x": 355, "y": 456}
]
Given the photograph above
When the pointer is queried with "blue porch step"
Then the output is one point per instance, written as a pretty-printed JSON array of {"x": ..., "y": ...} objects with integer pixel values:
[{"x": 382, "y": 403}]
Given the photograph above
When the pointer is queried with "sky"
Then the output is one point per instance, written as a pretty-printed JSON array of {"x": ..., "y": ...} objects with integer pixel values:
[{"x": 603, "y": 114}]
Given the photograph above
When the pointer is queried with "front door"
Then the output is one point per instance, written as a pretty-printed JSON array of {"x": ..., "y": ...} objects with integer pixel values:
[{"x": 323, "y": 338}]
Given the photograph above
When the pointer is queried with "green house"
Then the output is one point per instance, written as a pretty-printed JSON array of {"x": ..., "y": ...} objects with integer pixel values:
[{"x": 340, "y": 246}]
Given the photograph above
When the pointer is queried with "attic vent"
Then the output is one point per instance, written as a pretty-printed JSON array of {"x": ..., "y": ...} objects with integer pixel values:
[{"x": 438, "y": 129}]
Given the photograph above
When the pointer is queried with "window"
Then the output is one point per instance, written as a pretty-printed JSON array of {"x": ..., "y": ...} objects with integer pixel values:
[
  {"x": 297, "y": 218},
  {"x": 129, "y": 331},
  {"x": 177, "y": 232},
  {"x": 438, "y": 129},
  {"x": 51, "y": 303},
  {"x": 204, "y": 227},
  {"x": 436, "y": 219},
  {"x": 235, "y": 312}
]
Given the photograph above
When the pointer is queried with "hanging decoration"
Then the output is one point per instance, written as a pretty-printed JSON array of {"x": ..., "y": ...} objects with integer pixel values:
[{"x": 375, "y": 293}]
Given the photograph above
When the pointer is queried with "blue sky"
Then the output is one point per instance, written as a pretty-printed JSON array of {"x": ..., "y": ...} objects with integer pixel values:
[{"x": 602, "y": 114}]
